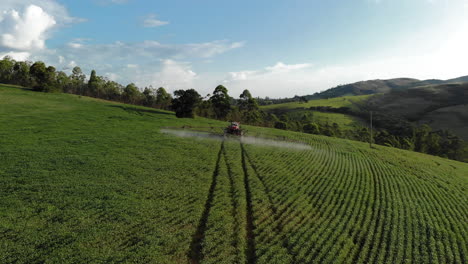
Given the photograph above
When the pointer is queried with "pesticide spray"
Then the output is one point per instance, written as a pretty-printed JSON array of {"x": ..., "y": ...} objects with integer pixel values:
[{"x": 244, "y": 139}]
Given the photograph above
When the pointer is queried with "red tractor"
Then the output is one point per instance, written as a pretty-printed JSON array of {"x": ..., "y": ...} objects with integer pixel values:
[{"x": 234, "y": 129}]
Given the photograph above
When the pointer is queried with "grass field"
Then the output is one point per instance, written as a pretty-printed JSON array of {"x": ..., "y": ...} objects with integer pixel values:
[
  {"x": 344, "y": 121},
  {"x": 344, "y": 101},
  {"x": 296, "y": 110},
  {"x": 89, "y": 181}
]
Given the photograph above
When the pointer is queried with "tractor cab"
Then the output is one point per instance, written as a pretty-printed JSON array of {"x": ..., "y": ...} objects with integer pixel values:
[{"x": 233, "y": 129}]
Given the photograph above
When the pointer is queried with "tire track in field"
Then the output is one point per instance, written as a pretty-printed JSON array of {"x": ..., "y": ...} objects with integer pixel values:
[
  {"x": 251, "y": 256},
  {"x": 235, "y": 211},
  {"x": 279, "y": 227},
  {"x": 195, "y": 252}
]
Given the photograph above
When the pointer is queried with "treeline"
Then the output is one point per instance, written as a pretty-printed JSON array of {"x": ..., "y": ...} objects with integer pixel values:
[
  {"x": 45, "y": 78},
  {"x": 389, "y": 131},
  {"x": 186, "y": 103},
  {"x": 269, "y": 101}
]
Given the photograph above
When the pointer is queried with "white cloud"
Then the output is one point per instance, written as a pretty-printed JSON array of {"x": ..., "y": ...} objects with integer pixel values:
[
  {"x": 112, "y": 76},
  {"x": 19, "y": 56},
  {"x": 71, "y": 65},
  {"x": 75, "y": 45},
  {"x": 168, "y": 73},
  {"x": 152, "y": 21},
  {"x": 281, "y": 67},
  {"x": 25, "y": 25},
  {"x": 210, "y": 49},
  {"x": 120, "y": 57},
  {"x": 176, "y": 75},
  {"x": 25, "y": 31},
  {"x": 51, "y": 7}
]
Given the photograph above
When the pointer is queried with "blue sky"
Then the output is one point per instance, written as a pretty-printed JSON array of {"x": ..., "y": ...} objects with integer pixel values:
[{"x": 275, "y": 48}]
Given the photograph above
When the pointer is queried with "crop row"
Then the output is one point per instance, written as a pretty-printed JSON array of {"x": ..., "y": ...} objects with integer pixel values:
[{"x": 344, "y": 203}]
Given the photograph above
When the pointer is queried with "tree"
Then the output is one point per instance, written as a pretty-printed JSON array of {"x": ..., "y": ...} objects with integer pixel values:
[
  {"x": 21, "y": 74},
  {"x": 51, "y": 80},
  {"x": 39, "y": 72},
  {"x": 131, "y": 94},
  {"x": 112, "y": 90},
  {"x": 221, "y": 102},
  {"x": 163, "y": 99},
  {"x": 77, "y": 78},
  {"x": 281, "y": 125},
  {"x": 63, "y": 81},
  {"x": 312, "y": 128},
  {"x": 184, "y": 102},
  {"x": 93, "y": 84},
  {"x": 6, "y": 69},
  {"x": 249, "y": 108},
  {"x": 148, "y": 97}
]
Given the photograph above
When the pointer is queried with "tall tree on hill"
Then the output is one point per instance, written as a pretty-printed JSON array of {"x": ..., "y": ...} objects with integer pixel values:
[
  {"x": 51, "y": 80},
  {"x": 185, "y": 102},
  {"x": 63, "y": 81},
  {"x": 21, "y": 74},
  {"x": 221, "y": 102},
  {"x": 93, "y": 84},
  {"x": 44, "y": 77},
  {"x": 78, "y": 79},
  {"x": 163, "y": 98},
  {"x": 148, "y": 97},
  {"x": 131, "y": 94},
  {"x": 249, "y": 108},
  {"x": 6, "y": 69},
  {"x": 39, "y": 73},
  {"x": 112, "y": 90}
]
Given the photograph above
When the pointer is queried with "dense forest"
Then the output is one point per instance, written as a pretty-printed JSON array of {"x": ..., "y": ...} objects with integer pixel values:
[{"x": 220, "y": 105}]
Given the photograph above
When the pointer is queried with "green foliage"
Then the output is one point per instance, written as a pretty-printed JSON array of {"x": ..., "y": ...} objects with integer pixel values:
[
  {"x": 78, "y": 79},
  {"x": 248, "y": 106},
  {"x": 131, "y": 94},
  {"x": 281, "y": 125},
  {"x": 7, "y": 66},
  {"x": 185, "y": 102},
  {"x": 93, "y": 84},
  {"x": 163, "y": 99},
  {"x": 221, "y": 102},
  {"x": 312, "y": 128},
  {"x": 39, "y": 73}
]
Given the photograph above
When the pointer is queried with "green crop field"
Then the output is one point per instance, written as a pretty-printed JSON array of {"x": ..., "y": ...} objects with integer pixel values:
[{"x": 89, "y": 181}]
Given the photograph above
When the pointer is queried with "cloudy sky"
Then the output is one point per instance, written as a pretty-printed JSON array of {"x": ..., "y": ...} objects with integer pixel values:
[{"x": 276, "y": 48}]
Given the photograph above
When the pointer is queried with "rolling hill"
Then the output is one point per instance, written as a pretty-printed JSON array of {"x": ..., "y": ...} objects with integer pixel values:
[
  {"x": 381, "y": 86},
  {"x": 443, "y": 106},
  {"x": 84, "y": 180},
  {"x": 296, "y": 110}
]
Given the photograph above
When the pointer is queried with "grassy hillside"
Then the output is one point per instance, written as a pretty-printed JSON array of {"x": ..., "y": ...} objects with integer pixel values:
[
  {"x": 90, "y": 181},
  {"x": 440, "y": 106},
  {"x": 296, "y": 110},
  {"x": 345, "y": 101}
]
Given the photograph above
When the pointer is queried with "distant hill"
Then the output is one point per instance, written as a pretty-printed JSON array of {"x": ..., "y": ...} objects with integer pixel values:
[
  {"x": 380, "y": 86},
  {"x": 443, "y": 106}
]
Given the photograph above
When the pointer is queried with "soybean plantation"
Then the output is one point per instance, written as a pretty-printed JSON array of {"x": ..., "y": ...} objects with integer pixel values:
[{"x": 89, "y": 181}]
